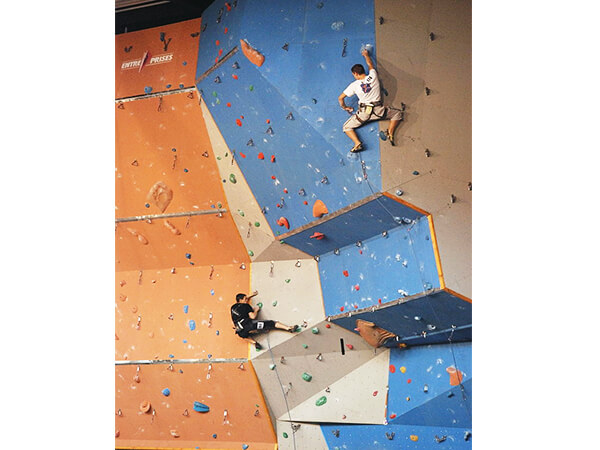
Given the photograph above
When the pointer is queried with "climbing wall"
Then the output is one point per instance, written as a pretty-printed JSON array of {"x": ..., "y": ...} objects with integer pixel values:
[
  {"x": 179, "y": 263},
  {"x": 233, "y": 175}
]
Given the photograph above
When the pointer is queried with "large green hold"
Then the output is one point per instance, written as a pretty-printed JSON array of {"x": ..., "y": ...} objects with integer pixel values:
[
  {"x": 306, "y": 376},
  {"x": 232, "y": 178},
  {"x": 321, "y": 401}
]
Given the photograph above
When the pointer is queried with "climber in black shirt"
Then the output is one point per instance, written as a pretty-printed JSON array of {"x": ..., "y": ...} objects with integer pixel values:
[{"x": 244, "y": 318}]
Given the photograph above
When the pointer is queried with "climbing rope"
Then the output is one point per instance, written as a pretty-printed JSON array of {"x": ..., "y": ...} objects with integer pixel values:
[{"x": 287, "y": 407}]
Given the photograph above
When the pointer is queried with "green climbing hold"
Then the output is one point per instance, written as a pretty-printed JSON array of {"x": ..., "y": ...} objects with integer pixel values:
[
  {"x": 305, "y": 345},
  {"x": 257, "y": 224},
  {"x": 219, "y": 158},
  {"x": 272, "y": 366},
  {"x": 251, "y": 87},
  {"x": 288, "y": 280},
  {"x": 214, "y": 93},
  {"x": 315, "y": 330},
  {"x": 260, "y": 304},
  {"x": 218, "y": 101},
  {"x": 219, "y": 205},
  {"x": 226, "y": 154},
  {"x": 241, "y": 213},
  {"x": 250, "y": 252},
  {"x": 274, "y": 303},
  {"x": 306, "y": 376},
  {"x": 321, "y": 401},
  {"x": 232, "y": 179},
  {"x": 285, "y": 435}
]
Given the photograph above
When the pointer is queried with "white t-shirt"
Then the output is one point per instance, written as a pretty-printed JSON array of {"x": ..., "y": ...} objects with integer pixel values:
[{"x": 367, "y": 90}]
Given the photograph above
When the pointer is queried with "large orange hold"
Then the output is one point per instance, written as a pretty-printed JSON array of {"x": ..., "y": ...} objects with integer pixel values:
[
  {"x": 252, "y": 54},
  {"x": 319, "y": 209}
]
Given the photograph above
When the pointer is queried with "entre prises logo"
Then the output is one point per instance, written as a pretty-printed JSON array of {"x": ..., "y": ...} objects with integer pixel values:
[{"x": 153, "y": 60}]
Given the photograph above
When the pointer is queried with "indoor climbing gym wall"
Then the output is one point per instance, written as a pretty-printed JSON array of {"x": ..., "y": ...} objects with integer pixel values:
[{"x": 233, "y": 175}]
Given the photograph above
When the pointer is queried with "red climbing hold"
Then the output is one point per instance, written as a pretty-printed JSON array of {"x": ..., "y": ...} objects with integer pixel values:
[
  {"x": 345, "y": 272},
  {"x": 220, "y": 51},
  {"x": 225, "y": 30},
  {"x": 305, "y": 202},
  {"x": 317, "y": 235},
  {"x": 285, "y": 191},
  {"x": 272, "y": 158},
  {"x": 341, "y": 308},
  {"x": 375, "y": 393},
  {"x": 409, "y": 380},
  {"x": 268, "y": 121},
  {"x": 392, "y": 416},
  {"x": 228, "y": 6},
  {"x": 283, "y": 222},
  {"x": 242, "y": 155},
  {"x": 379, "y": 301},
  {"x": 229, "y": 105},
  {"x": 350, "y": 346},
  {"x": 327, "y": 325},
  {"x": 235, "y": 77},
  {"x": 217, "y": 43},
  {"x": 392, "y": 368},
  {"x": 239, "y": 122},
  {"x": 261, "y": 155},
  {"x": 273, "y": 177}
]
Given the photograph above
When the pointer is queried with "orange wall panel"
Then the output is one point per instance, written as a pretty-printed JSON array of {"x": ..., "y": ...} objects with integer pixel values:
[
  {"x": 159, "y": 298},
  {"x": 174, "y": 66},
  {"x": 145, "y": 139},
  {"x": 228, "y": 388}
]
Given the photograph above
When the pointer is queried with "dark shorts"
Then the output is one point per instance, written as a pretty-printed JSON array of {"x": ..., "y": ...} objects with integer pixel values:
[{"x": 255, "y": 325}]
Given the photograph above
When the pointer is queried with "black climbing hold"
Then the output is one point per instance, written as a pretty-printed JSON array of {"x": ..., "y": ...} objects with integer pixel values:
[
  {"x": 317, "y": 258},
  {"x": 470, "y": 186},
  {"x": 440, "y": 439},
  {"x": 427, "y": 153},
  {"x": 128, "y": 49},
  {"x": 390, "y": 436},
  {"x": 269, "y": 131},
  {"x": 344, "y": 47},
  {"x": 314, "y": 100},
  {"x": 290, "y": 116},
  {"x": 324, "y": 180},
  {"x": 336, "y": 251},
  {"x": 452, "y": 198},
  {"x": 427, "y": 90},
  {"x": 203, "y": 27},
  {"x": 301, "y": 191},
  {"x": 381, "y": 20},
  {"x": 431, "y": 36},
  {"x": 196, "y": 34},
  {"x": 336, "y": 433},
  {"x": 285, "y": 46},
  {"x": 235, "y": 65},
  {"x": 217, "y": 80},
  {"x": 250, "y": 143},
  {"x": 162, "y": 37}
]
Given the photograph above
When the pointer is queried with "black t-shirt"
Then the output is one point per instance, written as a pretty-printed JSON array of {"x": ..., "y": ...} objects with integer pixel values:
[{"x": 240, "y": 312}]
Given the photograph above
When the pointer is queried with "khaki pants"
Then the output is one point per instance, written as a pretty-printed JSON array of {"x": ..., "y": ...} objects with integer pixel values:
[{"x": 370, "y": 114}]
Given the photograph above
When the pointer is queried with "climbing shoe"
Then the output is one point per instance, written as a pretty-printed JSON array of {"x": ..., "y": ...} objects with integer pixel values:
[
  {"x": 389, "y": 137},
  {"x": 357, "y": 148},
  {"x": 294, "y": 328},
  {"x": 257, "y": 346}
]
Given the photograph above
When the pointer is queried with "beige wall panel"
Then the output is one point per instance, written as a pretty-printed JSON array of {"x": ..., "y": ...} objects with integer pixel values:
[{"x": 307, "y": 437}]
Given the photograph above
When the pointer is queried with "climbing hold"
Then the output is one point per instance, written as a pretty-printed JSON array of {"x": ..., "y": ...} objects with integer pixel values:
[
  {"x": 375, "y": 393},
  {"x": 285, "y": 46},
  {"x": 455, "y": 375},
  {"x": 392, "y": 368},
  {"x": 304, "y": 345},
  {"x": 272, "y": 158},
  {"x": 161, "y": 195},
  {"x": 192, "y": 325},
  {"x": 321, "y": 401},
  {"x": 287, "y": 280},
  {"x": 290, "y": 116},
  {"x": 345, "y": 272},
  {"x": 341, "y": 309},
  {"x": 431, "y": 36},
  {"x": 251, "y": 87},
  {"x": 392, "y": 416},
  {"x": 403, "y": 369},
  {"x": 250, "y": 143},
  {"x": 427, "y": 90},
  {"x": 283, "y": 222},
  {"x": 315, "y": 330},
  {"x": 357, "y": 287},
  {"x": 145, "y": 406},
  {"x": 337, "y": 26},
  {"x": 252, "y": 54},
  {"x": 244, "y": 446},
  {"x": 415, "y": 172},
  {"x": 327, "y": 325},
  {"x": 425, "y": 388},
  {"x": 148, "y": 89},
  {"x": 380, "y": 20},
  {"x": 239, "y": 122},
  {"x": 319, "y": 209},
  {"x": 217, "y": 80},
  {"x": 201, "y": 407},
  {"x": 174, "y": 433},
  {"x": 188, "y": 255},
  {"x": 350, "y": 346},
  {"x": 306, "y": 376},
  {"x": 427, "y": 153},
  {"x": 261, "y": 155},
  {"x": 317, "y": 235},
  {"x": 272, "y": 366},
  {"x": 285, "y": 435},
  {"x": 166, "y": 392},
  {"x": 232, "y": 178},
  {"x": 409, "y": 381},
  {"x": 274, "y": 303},
  {"x": 414, "y": 437}
]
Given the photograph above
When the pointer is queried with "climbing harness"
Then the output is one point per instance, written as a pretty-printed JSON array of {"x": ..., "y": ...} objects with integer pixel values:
[{"x": 367, "y": 108}]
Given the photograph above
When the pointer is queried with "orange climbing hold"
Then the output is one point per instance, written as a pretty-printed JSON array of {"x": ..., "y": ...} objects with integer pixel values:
[
  {"x": 455, "y": 375},
  {"x": 283, "y": 222},
  {"x": 228, "y": 105},
  {"x": 272, "y": 158},
  {"x": 145, "y": 406},
  {"x": 261, "y": 155},
  {"x": 252, "y": 54},
  {"x": 317, "y": 235},
  {"x": 319, "y": 209},
  {"x": 234, "y": 76},
  {"x": 239, "y": 122}
]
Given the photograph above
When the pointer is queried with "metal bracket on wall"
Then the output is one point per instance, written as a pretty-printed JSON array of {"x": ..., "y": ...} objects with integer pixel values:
[{"x": 167, "y": 216}]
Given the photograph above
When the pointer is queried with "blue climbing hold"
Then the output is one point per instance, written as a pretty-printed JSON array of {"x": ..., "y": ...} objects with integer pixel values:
[
  {"x": 166, "y": 392},
  {"x": 201, "y": 407},
  {"x": 245, "y": 446},
  {"x": 188, "y": 255},
  {"x": 185, "y": 309},
  {"x": 148, "y": 89},
  {"x": 192, "y": 325}
]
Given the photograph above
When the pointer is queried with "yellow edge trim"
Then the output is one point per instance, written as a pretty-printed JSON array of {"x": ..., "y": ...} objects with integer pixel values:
[
  {"x": 436, "y": 252},
  {"x": 456, "y": 294}
]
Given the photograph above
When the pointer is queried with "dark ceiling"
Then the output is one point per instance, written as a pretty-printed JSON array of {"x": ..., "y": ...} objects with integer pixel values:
[{"x": 133, "y": 15}]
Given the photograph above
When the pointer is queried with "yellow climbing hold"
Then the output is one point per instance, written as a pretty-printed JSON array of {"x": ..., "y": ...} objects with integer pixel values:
[
  {"x": 414, "y": 437},
  {"x": 403, "y": 369}
]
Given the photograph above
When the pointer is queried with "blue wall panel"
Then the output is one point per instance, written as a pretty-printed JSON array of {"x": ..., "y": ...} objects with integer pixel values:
[
  {"x": 428, "y": 365},
  {"x": 311, "y": 151},
  {"x": 385, "y": 268}
]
